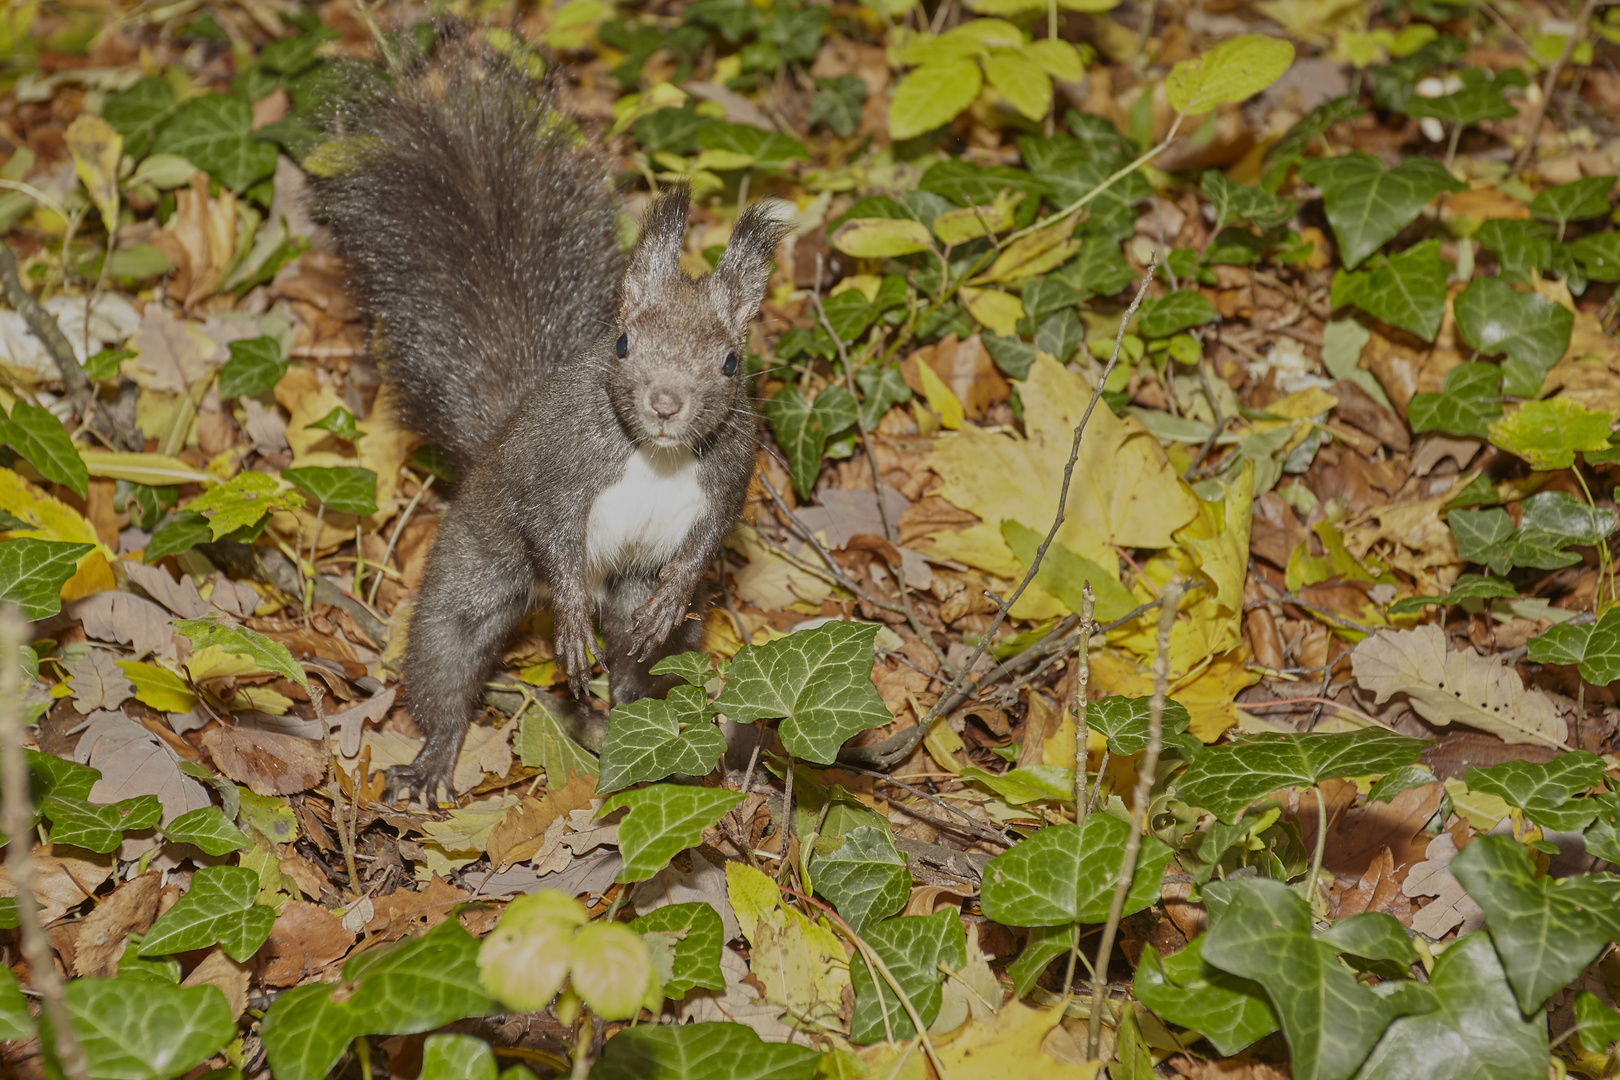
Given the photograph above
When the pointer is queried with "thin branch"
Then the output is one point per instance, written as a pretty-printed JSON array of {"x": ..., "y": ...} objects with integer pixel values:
[
  {"x": 1081, "y": 705},
  {"x": 399, "y": 527},
  {"x": 840, "y": 578},
  {"x": 1550, "y": 83},
  {"x": 977, "y": 828}
]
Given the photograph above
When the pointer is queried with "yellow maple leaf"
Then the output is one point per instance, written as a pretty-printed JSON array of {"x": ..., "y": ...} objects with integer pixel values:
[{"x": 1011, "y": 1045}]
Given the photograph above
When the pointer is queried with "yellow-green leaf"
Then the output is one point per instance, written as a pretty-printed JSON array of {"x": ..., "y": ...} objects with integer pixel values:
[
  {"x": 155, "y": 470},
  {"x": 1057, "y": 58},
  {"x": 1042, "y": 250},
  {"x": 96, "y": 148},
  {"x": 161, "y": 689},
  {"x": 1548, "y": 434},
  {"x": 997, "y": 310},
  {"x": 939, "y": 49},
  {"x": 1021, "y": 81},
  {"x": 1006, "y": 7},
  {"x": 879, "y": 238},
  {"x": 971, "y": 222},
  {"x": 932, "y": 95},
  {"x": 1232, "y": 71},
  {"x": 941, "y": 398}
]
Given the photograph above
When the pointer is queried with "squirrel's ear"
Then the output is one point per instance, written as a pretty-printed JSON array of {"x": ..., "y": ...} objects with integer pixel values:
[
  {"x": 658, "y": 253},
  {"x": 739, "y": 281}
]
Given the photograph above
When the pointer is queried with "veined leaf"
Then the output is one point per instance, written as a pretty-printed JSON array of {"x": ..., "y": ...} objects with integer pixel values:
[
  {"x": 33, "y": 571},
  {"x": 1545, "y": 792},
  {"x": 1227, "y": 778},
  {"x": 40, "y": 438},
  {"x": 664, "y": 820},
  {"x": 1236, "y": 69},
  {"x": 1061, "y": 875},
  {"x": 1367, "y": 205},
  {"x": 1548, "y": 434},
  {"x": 1468, "y": 405},
  {"x": 651, "y": 739},
  {"x": 1532, "y": 330}
]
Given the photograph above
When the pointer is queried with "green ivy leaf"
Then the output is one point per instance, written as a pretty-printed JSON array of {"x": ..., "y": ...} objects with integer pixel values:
[
  {"x": 1031, "y": 783},
  {"x": 771, "y": 151},
  {"x": 143, "y": 1029},
  {"x": 215, "y": 133},
  {"x": 693, "y": 668},
  {"x": 99, "y": 827},
  {"x": 1598, "y": 1024},
  {"x": 1402, "y": 779},
  {"x": 701, "y": 1052},
  {"x": 242, "y": 501},
  {"x": 32, "y": 573},
  {"x": 1238, "y": 203},
  {"x": 1227, "y": 778},
  {"x": 817, "y": 681},
  {"x": 1548, "y": 434},
  {"x": 803, "y": 428},
  {"x": 1372, "y": 935},
  {"x": 1603, "y": 835},
  {"x": 1531, "y": 330},
  {"x": 1545, "y": 792},
  {"x": 1173, "y": 313},
  {"x": 255, "y": 366},
  {"x": 339, "y": 422},
  {"x": 139, "y": 112},
  {"x": 267, "y": 655},
  {"x": 219, "y": 907},
  {"x": 1549, "y": 522},
  {"x": 542, "y": 744},
  {"x": 1475, "y": 1033},
  {"x": 1595, "y": 647},
  {"x": 1599, "y": 253},
  {"x": 664, "y": 820},
  {"x": 457, "y": 1057},
  {"x": 1059, "y": 876},
  {"x": 1236, "y": 69},
  {"x": 209, "y": 830},
  {"x": 864, "y": 876},
  {"x": 1367, "y": 205},
  {"x": 1520, "y": 246},
  {"x": 1123, "y": 722},
  {"x": 651, "y": 738},
  {"x": 1098, "y": 270},
  {"x": 1469, "y": 404},
  {"x": 1480, "y": 98},
  {"x": 1408, "y": 291},
  {"x": 913, "y": 947},
  {"x": 883, "y": 388},
  {"x": 40, "y": 438},
  {"x": 838, "y": 104},
  {"x": 348, "y": 489},
  {"x": 1587, "y": 197},
  {"x": 1186, "y": 989},
  {"x": 1545, "y": 931},
  {"x": 699, "y": 937},
  {"x": 932, "y": 95},
  {"x": 15, "y": 1020}
]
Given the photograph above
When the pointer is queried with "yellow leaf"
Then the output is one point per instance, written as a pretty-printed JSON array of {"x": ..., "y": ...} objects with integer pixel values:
[
  {"x": 867, "y": 284},
  {"x": 1232, "y": 71},
  {"x": 1480, "y": 809},
  {"x": 879, "y": 238},
  {"x": 1021, "y": 81},
  {"x": 1057, "y": 58},
  {"x": 96, "y": 148},
  {"x": 212, "y": 662},
  {"x": 998, "y": 310},
  {"x": 163, "y": 690},
  {"x": 971, "y": 222},
  {"x": 940, "y": 398},
  {"x": 943, "y": 744},
  {"x": 1219, "y": 536},
  {"x": 1304, "y": 404},
  {"x": 1040, "y": 251},
  {"x": 1011, "y": 1045},
  {"x": 53, "y": 519},
  {"x": 153, "y": 469}
]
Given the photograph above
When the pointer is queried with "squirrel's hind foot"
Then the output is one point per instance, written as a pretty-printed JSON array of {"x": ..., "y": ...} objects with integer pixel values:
[{"x": 419, "y": 782}]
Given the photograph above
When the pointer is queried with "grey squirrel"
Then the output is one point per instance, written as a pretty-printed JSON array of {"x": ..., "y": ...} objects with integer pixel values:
[{"x": 597, "y": 404}]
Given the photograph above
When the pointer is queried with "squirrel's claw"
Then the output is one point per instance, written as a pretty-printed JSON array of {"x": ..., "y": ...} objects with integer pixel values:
[
  {"x": 654, "y": 622},
  {"x": 422, "y": 785},
  {"x": 574, "y": 652}
]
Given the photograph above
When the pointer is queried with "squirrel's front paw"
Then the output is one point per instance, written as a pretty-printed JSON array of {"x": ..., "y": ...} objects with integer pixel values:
[
  {"x": 420, "y": 782},
  {"x": 655, "y": 621},
  {"x": 573, "y": 644}
]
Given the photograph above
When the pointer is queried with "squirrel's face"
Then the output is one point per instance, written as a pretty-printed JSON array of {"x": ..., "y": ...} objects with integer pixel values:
[{"x": 677, "y": 357}]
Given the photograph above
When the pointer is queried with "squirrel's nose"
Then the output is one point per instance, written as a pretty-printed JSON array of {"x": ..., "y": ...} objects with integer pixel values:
[{"x": 664, "y": 404}]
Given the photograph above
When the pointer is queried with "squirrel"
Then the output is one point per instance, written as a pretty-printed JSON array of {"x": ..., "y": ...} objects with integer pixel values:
[{"x": 596, "y": 404}]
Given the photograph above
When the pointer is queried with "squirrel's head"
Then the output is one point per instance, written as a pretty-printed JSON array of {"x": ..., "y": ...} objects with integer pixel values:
[{"x": 678, "y": 354}]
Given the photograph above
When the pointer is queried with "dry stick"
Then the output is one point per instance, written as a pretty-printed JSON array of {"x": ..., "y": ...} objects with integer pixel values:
[
  {"x": 977, "y": 828},
  {"x": 1550, "y": 83},
  {"x": 1051, "y": 534},
  {"x": 1145, "y": 770},
  {"x": 1079, "y": 707},
  {"x": 345, "y": 835},
  {"x": 19, "y": 815},
  {"x": 399, "y": 527}
]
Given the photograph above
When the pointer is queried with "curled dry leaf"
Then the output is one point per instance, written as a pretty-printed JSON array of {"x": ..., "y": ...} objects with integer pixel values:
[
  {"x": 62, "y": 881},
  {"x": 131, "y": 908},
  {"x": 1447, "y": 686},
  {"x": 128, "y": 620}
]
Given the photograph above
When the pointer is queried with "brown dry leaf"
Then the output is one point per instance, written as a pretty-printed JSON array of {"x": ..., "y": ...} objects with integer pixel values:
[
  {"x": 1464, "y": 687},
  {"x": 927, "y": 899},
  {"x": 61, "y": 881},
  {"x": 1416, "y": 541},
  {"x": 199, "y": 240},
  {"x": 1483, "y": 204},
  {"x": 350, "y": 723},
  {"x": 98, "y": 683},
  {"x": 1377, "y": 891},
  {"x": 128, "y": 620},
  {"x": 305, "y": 874},
  {"x": 405, "y": 913},
  {"x": 131, "y": 908},
  {"x": 235, "y": 598},
  {"x": 485, "y": 750},
  {"x": 1403, "y": 370},
  {"x": 181, "y": 597},
  {"x": 769, "y": 581},
  {"x": 1395, "y": 826},
  {"x": 522, "y": 831},
  {"x": 966, "y": 368},
  {"x": 304, "y": 941},
  {"x": 971, "y": 994},
  {"x": 1451, "y": 907},
  {"x": 134, "y": 762},
  {"x": 1362, "y": 411},
  {"x": 174, "y": 352},
  {"x": 268, "y": 762},
  {"x": 219, "y": 970}
]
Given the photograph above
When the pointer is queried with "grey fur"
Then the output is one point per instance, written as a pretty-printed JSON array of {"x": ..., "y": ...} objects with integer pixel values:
[{"x": 484, "y": 248}]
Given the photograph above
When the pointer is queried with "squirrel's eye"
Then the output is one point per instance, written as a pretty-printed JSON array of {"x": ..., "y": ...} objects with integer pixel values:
[
  {"x": 622, "y": 346},
  {"x": 731, "y": 364}
]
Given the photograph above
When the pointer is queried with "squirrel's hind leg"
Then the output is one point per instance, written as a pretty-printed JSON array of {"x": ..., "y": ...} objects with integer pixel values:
[{"x": 628, "y": 677}]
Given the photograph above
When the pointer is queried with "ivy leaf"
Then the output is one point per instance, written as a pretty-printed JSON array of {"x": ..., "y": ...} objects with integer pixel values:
[
  {"x": 1372, "y": 935},
  {"x": 1545, "y": 792},
  {"x": 1475, "y": 1033},
  {"x": 139, "y": 112},
  {"x": 1599, "y": 253},
  {"x": 1545, "y": 931},
  {"x": 99, "y": 827},
  {"x": 699, "y": 937},
  {"x": 1408, "y": 291},
  {"x": 701, "y": 1052},
  {"x": 1174, "y": 312},
  {"x": 1594, "y": 647},
  {"x": 219, "y": 907},
  {"x": 1587, "y": 197},
  {"x": 838, "y": 104},
  {"x": 1603, "y": 835},
  {"x": 883, "y": 388},
  {"x": 1531, "y": 330},
  {"x": 40, "y": 438},
  {"x": 215, "y": 133},
  {"x": 1548, "y": 434},
  {"x": 1184, "y": 988},
  {"x": 348, "y": 489},
  {"x": 818, "y": 681},
  {"x": 932, "y": 95},
  {"x": 267, "y": 655},
  {"x": 1123, "y": 722},
  {"x": 651, "y": 738},
  {"x": 1599, "y": 1025},
  {"x": 1261, "y": 930},
  {"x": 1520, "y": 246},
  {"x": 1469, "y": 403},
  {"x": 1031, "y": 783},
  {"x": 803, "y": 428},
  {"x": 1059, "y": 876},
  {"x": 1367, "y": 205},
  {"x": 1227, "y": 778},
  {"x": 912, "y": 947},
  {"x": 1236, "y": 203},
  {"x": 664, "y": 820},
  {"x": 693, "y": 668},
  {"x": 244, "y": 500},
  {"x": 33, "y": 571},
  {"x": 864, "y": 877},
  {"x": 207, "y": 829},
  {"x": 1098, "y": 270},
  {"x": 16, "y": 1022},
  {"x": 1550, "y": 521},
  {"x": 1402, "y": 779},
  {"x": 770, "y": 151},
  {"x": 1234, "y": 70},
  {"x": 145, "y": 1029},
  {"x": 1480, "y": 98},
  {"x": 255, "y": 366},
  {"x": 457, "y": 1057},
  {"x": 339, "y": 422}
]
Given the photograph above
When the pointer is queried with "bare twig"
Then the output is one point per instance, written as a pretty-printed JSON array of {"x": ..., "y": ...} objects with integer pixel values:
[
  {"x": 1145, "y": 770},
  {"x": 19, "y": 816},
  {"x": 1550, "y": 83},
  {"x": 1082, "y": 680},
  {"x": 978, "y": 828},
  {"x": 344, "y": 828},
  {"x": 399, "y": 527},
  {"x": 841, "y": 579}
]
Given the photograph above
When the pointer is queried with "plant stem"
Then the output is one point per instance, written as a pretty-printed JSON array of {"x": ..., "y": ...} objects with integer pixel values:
[
  {"x": 1321, "y": 847},
  {"x": 399, "y": 527},
  {"x": 1145, "y": 770},
  {"x": 1550, "y": 83},
  {"x": 1081, "y": 706},
  {"x": 582, "y": 1049}
]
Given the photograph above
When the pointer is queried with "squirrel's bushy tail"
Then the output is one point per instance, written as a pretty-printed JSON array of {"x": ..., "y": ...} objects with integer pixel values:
[{"x": 480, "y": 239}]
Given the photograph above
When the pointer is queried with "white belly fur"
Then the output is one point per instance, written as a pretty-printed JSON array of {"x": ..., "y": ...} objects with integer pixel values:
[{"x": 641, "y": 521}]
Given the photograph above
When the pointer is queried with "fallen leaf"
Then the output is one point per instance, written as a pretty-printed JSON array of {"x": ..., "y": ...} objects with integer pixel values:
[
  {"x": 1006, "y": 1046},
  {"x": 61, "y": 881},
  {"x": 128, "y": 620},
  {"x": 130, "y": 909},
  {"x": 350, "y": 723},
  {"x": 199, "y": 240},
  {"x": 966, "y": 368},
  {"x": 305, "y": 940},
  {"x": 134, "y": 762},
  {"x": 403, "y": 912},
  {"x": 98, "y": 683},
  {"x": 268, "y": 762},
  {"x": 180, "y": 597},
  {"x": 485, "y": 750},
  {"x": 226, "y": 975},
  {"x": 174, "y": 352},
  {"x": 1452, "y": 907}
]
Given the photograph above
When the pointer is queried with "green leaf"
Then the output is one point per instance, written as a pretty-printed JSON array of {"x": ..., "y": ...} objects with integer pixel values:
[
  {"x": 802, "y": 429},
  {"x": 457, "y": 1057},
  {"x": 932, "y": 95},
  {"x": 104, "y": 364},
  {"x": 1372, "y": 935},
  {"x": 1408, "y": 291},
  {"x": 912, "y": 947},
  {"x": 1545, "y": 931},
  {"x": 339, "y": 422},
  {"x": 1236, "y": 69},
  {"x": 138, "y": 113},
  {"x": 1600, "y": 254},
  {"x": 882, "y": 238},
  {"x": 1603, "y": 835},
  {"x": 1043, "y": 945},
  {"x": 267, "y": 655},
  {"x": 1031, "y": 783},
  {"x": 1173, "y": 313},
  {"x": 664, "y": 820},
  {"x": 1367, "y": 205},
  {"x": 1476, "y": 1033},
  {"x": 1239, "y": 203},
  {"x": 255, "y": 366},
  {"x": 864, "y": 877},
  {"x": 1098, "y": 270},
  {"x": 1064, "y": 574},
  {"x": 98, "y": 827},
  {"x": 771, "y": 151},
  {"x": 701, "y": 1052},
  {"x": 15, "y": 1020},
  {"x": 40, "y": 438},
  {"x": 883, "y": 388},
  {"x": 542, "y": 744},
  {"x": 838, "y": 104},
  {"x": 244, "y": 500},
  {"x": 1227, "y": 778},
  {"x": 141, "y": 1029},
  {"x": 1548, "y": 434},
  {"x": 1549, "y": 522},
  {"x": 693, "y": 668},
  {"x": 32, "y": 573},
  {"x": 1545, "y": 792},
  {"x": 1587, "y": 197},
  {"x": 1480, "y": 98},
  {"x": 1185, "y": 989},
  {"x": 208, "y": 829},
  {"x": 1468, "y": 405},
  {"x": 1021, "y": 81},
  {"x": 818, "y": 681},
  {"x": 1531, "y": 330},
  {"x": 1012, "y": 355},
  {"x": 348, "y": 489},
  {"x": 1520, "y": 246},
  {"x": 1059, "y": 876},
  {"x": 1598, "y": 1024},
  {"x": 1123, "y": 722},
  {"x": 1261, "y": 930},
  {"x": 1402, "y": 779},
  {"x": 1060, "y": 335},
  {"x": 215, "y": 133},
  {"x": 699, "y": 939},
  {"x": 219, "y": 907},
  {"x": 650, "y": 739}
]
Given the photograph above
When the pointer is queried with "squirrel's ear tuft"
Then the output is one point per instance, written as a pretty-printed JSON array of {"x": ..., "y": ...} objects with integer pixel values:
[
  {"x": 745, "y": 269},
  {"x": 658, "y": 253}
]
